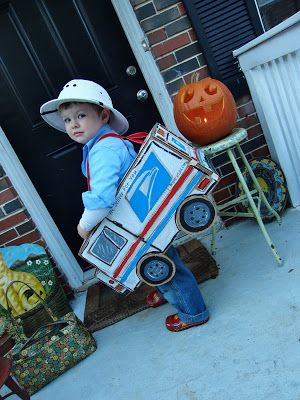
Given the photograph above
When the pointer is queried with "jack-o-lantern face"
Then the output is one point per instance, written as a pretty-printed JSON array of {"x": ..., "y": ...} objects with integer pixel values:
[
  {"x": 205, "y": 111},
  {"x": 202, "y": 105}
]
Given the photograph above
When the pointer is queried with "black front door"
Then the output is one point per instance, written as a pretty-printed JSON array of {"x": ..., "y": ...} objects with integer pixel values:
[{"x": 44, "y": 44}]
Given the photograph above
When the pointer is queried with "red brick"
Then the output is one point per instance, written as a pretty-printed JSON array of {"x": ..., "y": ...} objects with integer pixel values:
[
  {"x": 248, "y": 121},
  {"x": 226, "y": 181},
  {"x": 252, "y": 120},
  {"x": 193, "y": 35},
  {"x": 157, "y": 36},
  {"x": 7, "y": 236},
  {"x": 254, "y": 131},
  {"x": 181, "y": 9},
  {"x": 232, "y": 189},
  {"x": 13, "y": 220},
  {"x": 261, "y": 152},
  {"x": 221, "y": 195},
  {"x": 246, "y": 109},
  {"x": 7, "y": 195},
  {"x": 166, "y": 62},
  {"x": 203, "y": 73},
  {"x": 170, "y": 45},
  {"x": 28, "y": 238},
  {"x": 229, "y": 198}
]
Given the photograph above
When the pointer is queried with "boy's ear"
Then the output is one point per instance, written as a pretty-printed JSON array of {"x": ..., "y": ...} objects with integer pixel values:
[{"x": 105, "y": 115}]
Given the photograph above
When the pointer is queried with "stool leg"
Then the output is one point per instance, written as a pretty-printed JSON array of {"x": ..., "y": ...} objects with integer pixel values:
[
  {"x": 253, "y": 206},
  {"x": 256, "y": 184},
  {"x": 15, "y": 388}
]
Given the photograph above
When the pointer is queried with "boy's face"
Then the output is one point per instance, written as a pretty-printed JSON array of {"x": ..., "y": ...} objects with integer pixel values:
[{"x": 83, "y": 120}]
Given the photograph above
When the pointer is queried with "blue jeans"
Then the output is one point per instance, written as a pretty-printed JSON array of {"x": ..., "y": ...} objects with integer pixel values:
[{"x": 183, "y": 293}]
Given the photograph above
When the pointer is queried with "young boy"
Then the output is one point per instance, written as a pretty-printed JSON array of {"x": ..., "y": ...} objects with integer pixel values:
[{"x": 84, "y": 111}]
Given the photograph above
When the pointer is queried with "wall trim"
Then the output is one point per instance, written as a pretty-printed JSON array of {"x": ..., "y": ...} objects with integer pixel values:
[{"x": 135, "y": 36}]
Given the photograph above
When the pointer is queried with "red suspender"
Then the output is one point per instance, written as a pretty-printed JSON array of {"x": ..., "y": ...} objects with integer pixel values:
[{"x": 137, "y": 137}]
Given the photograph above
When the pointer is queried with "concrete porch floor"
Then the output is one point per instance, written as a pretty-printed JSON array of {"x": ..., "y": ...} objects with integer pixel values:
[{"x": 249, "y": 349}]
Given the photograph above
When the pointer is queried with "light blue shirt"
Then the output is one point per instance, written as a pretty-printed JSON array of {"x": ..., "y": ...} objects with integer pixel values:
[{"x": 109, "y": 160}]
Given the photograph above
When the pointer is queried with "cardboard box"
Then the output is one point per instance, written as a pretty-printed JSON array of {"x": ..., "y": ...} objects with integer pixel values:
[{"x": 164, "y": 191}]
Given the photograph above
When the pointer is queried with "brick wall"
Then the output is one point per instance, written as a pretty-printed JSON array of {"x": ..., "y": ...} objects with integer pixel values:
[
  {"x": 16, "y": 225},
  {"x": 178, "y": 55}
]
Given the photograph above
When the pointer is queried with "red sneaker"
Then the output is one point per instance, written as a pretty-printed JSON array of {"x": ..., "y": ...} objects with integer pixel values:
[
  {"x": 174, "y": 323},
  {"x": 155, "y": 299}
]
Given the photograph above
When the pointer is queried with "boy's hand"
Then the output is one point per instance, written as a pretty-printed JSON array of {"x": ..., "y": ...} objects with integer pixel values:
[{"x": 82, "y": 233}]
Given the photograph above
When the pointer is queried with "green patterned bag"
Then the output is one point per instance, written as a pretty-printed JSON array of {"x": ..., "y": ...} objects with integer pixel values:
[{"x": 50, "y": 351}]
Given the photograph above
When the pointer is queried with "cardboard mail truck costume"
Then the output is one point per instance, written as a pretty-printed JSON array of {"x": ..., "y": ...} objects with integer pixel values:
[{"x": 164, "y": 192}]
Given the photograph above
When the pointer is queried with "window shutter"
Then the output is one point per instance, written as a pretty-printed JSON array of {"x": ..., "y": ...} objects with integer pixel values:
[{"x": 221, "y": 27}]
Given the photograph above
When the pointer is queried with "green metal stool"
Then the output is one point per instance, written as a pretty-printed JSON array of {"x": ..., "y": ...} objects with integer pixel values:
[{"x": 227, "y": 144}]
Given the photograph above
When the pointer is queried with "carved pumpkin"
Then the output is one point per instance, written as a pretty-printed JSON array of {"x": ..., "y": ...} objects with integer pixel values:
[{"x": 205, "y": 111}]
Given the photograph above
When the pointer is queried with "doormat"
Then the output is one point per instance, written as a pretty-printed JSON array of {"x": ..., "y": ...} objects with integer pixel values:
[{"x": 105, "y": 307}]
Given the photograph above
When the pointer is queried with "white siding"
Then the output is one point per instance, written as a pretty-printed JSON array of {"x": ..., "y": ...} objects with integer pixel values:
[{"x": 271, "y": 64}]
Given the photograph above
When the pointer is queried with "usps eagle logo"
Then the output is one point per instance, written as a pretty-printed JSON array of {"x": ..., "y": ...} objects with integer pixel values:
[{"x": 148, "y": 186}]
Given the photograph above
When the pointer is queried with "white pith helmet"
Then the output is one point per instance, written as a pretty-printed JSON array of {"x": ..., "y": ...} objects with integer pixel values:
[{"x": 83, "y": 91}]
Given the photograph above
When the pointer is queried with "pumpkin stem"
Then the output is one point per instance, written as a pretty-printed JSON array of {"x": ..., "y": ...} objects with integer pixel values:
[{"x": 195, "y": 77}]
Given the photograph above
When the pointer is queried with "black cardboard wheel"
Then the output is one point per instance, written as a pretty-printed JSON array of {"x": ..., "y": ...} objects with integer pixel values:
[
  {"x": 195, "y": 214},
  {"x": 155, "y": 269}
]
